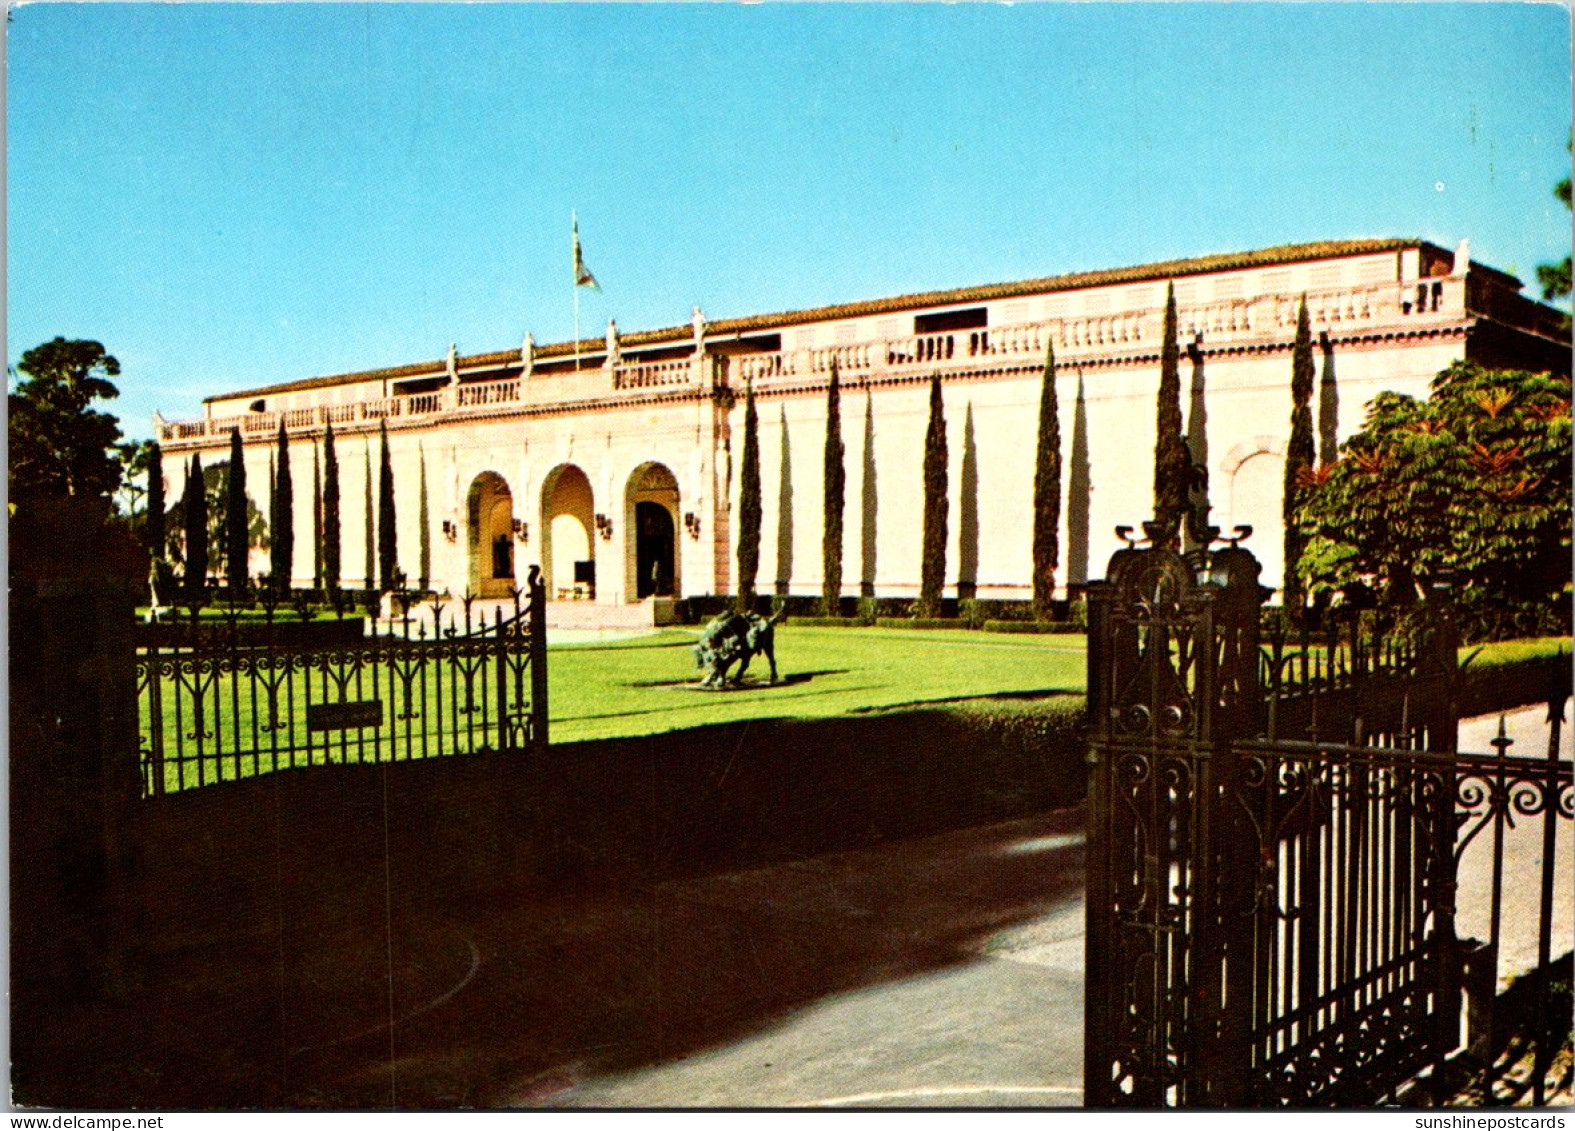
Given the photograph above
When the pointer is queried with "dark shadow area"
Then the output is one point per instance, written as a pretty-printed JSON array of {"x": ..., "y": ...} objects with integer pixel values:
[
  {"x": 788, "y": 679},
  {"x": 968, "y": 514},
  {"x": 514, "y": 915},
  {"x": 1328, "y": 407}
]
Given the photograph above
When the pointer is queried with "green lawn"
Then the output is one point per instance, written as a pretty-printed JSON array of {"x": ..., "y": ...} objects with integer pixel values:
[
  {"x": 616, "y": 689},
  {"x": 647, "y": 685}
]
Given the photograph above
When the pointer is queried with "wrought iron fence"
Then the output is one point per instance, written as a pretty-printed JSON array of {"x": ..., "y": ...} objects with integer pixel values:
[
  {"x": 225, "y": 698},
  {"x": 1277, "y": 822}
]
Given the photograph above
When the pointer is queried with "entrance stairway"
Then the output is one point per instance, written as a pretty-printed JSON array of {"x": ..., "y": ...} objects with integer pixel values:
[
  {"x": 577, "y": 616},
  {"x": 580, "y": 615}
]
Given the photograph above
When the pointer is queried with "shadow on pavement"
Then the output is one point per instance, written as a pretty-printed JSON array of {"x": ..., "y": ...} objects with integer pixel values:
[{"x": 511, "y": 996}]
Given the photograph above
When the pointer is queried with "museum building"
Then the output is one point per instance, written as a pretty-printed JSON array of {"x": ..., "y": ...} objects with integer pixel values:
[{"x": 615, "y": 464}]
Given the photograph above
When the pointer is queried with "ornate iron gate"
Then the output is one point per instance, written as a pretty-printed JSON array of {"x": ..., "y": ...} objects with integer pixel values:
[
  {"x": 222, "y": 700},
  {"x": 1272, "y": 842}
]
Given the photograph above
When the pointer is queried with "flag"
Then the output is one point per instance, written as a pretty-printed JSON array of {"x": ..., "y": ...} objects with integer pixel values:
[{"x": 582, "y": 273}]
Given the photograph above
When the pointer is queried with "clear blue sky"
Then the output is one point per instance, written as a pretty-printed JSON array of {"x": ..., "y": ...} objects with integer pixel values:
[{"x": 233, "y": 195}]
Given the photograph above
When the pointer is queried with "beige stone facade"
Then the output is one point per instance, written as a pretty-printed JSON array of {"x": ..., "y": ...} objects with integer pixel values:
[{"x": 614, "y": 464}]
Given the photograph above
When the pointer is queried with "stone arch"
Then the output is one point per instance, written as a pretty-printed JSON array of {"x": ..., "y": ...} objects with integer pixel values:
[
  {"x": 651, "y": 516},
  {"x": 568, "y": 526},
  {"x": 1253, "y": 490},
  {"x": 489, "y": 509}
]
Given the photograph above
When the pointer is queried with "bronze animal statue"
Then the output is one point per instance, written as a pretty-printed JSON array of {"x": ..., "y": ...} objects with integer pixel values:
[{"x": 735, "y": 638}]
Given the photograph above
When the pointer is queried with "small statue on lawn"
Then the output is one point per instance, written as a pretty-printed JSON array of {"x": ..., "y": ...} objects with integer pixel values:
[{"x": 735, "y": 638}]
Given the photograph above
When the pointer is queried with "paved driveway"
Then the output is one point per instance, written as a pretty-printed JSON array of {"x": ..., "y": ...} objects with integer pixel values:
[{"x": 945, "y": 971}]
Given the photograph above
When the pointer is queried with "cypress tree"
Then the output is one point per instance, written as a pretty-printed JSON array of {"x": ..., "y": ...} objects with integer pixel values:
[
  {"x": 369, "y": 543},
  {"x": 282, "y": 520},
  {"x": 835, "y": 489},
  {"x": 1047, "y": 492},
  {"x": 387, "y": 526},
  {"x": 1298, "y": 456},
  {"x": 424, "y": 540},
  {"x": 330, "y": 512},
  {"x": 317, "y": 519},
  {"x": 273, "y": 511},
  {"x": 749, "y": 506},
  {"x": 196, "y": 508},
  {"x": 235, "y": 531},
  {"x": 932, "y": 565},
  {"x": 1172, "y": 469},
  {"x": 155, "y": 526}
]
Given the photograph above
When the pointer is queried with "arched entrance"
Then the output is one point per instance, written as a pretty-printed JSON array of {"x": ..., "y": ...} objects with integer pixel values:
[
  {"x": 1255, "y": 484},
  {"x": 490, "y": 508},
  {"x": 653, "y": 551},
  {"x": 568, "y": 552}
]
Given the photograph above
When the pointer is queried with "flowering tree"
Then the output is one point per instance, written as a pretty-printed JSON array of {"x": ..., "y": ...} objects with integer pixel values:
[{"x": 1470, "y": 487}]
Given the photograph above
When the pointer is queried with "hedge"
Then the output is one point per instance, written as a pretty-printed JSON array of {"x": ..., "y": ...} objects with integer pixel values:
[{"x": 1034, "y": 627}]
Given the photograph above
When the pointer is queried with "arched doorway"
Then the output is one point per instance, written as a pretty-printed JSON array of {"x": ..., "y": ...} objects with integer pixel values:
[
  {"x": 490, "y": 508},
  {"x": 1255, "y": 487},
  {"x": 568, "y": 552},
  {"x": 653, "y": 551}
]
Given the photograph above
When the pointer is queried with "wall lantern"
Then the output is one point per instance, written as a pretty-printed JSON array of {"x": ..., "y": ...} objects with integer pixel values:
[
  {"x": 692, "y": 524},
  {"x": 450, "y": 531},
  {"x": 604, "y": 527},
  {"x": 522, "y": 530}
]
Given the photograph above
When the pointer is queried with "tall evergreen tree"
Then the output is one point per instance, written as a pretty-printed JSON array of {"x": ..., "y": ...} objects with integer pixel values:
[
  {"x": 235, "y": 532},
  {"x": 155, "y": 527},
  {"x": 331, "y": 537},
  {"x": 1047, "y": 493},
  {"x": 282, "y": 520},
  {"x": 932, "y": 563},
  {"x": 369, "y": 569},
  {"x": 1172, "y": 469},
  {"x": 387, "y": 525},
  {"x": 317, "y": 519},
  {"x": 1299, "y": 455},
  {"x": 196, "y": 508},
  {"x": 749, "y": 506},
  {"x": 835, "y": 490},
  {"x": 424, "y": 517}
]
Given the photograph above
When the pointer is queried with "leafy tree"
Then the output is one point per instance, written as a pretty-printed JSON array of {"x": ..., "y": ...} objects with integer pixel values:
[
  {"x": 330, "y": 512},
  {"x": 195, "y": 505},
  {"x": 1047, "y": 492},
  {"x": 282, "y": 520},
  {"x": 1555, "y": 277},
  {"x": 1299, "y": 453},
  {"x": 749, "y": 506},
  {"x": 1470, "y": 486},
  {"x": 932, "y": 560},
  {"x": 424, "y": 518},
  {"x": 60, "y": 446},
  {"x": 154, "y": 531},
  {"x": 387, "y": 526},
  {"x": 235, "y": 505},
  {"x": 835, "y": 489},
  {"x": 1172, "y": 467}
]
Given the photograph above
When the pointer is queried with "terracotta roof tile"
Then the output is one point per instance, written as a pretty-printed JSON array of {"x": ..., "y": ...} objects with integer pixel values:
[{"x": 1170, "y": 269}]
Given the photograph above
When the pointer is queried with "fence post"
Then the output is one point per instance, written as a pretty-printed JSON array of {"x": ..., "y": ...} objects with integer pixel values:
[
  {"x": 1558, "y": 694},
  {"x": 76, "y": 785},
  {"x": 538, "y": 661}
]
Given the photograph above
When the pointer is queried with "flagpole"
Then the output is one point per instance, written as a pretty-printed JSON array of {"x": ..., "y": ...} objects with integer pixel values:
[{"x": 574, "y": 271}]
